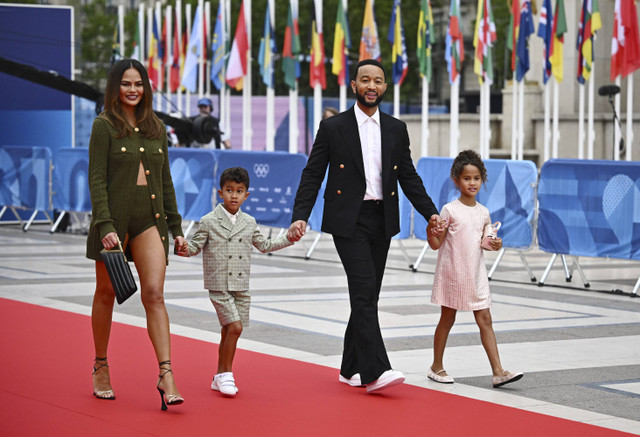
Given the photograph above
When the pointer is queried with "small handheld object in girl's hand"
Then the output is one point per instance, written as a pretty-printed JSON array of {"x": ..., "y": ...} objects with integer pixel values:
[{"x": 490, "y": 233}]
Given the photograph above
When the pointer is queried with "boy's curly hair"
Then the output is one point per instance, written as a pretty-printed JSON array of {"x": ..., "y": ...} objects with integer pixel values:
[
  {"x": 236, "y": 174},
  {"x": 468, "y": 157}
]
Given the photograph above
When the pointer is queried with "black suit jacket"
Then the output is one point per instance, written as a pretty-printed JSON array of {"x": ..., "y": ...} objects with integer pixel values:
[{"x": 337, "y": 146}]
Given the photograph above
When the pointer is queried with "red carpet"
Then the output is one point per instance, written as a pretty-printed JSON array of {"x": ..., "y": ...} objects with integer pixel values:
[{"x": 45, "y": 389}]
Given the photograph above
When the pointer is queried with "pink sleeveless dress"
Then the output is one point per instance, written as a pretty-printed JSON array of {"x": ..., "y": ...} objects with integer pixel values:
[{"x": 461, "y": 280}]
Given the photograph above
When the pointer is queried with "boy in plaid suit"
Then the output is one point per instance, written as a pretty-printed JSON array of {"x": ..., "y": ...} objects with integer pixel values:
[{"x": 225, "y": 237}]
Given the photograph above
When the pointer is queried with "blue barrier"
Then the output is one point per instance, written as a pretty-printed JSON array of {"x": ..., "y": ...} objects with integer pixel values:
[
  {"x": 71, "y": 180},
  {"x": 194, "y": 180},
  {"x": 274, "y": 181},
  {"x": 509, "y": 196},
  {"x": 590, "y": 208},
  {"x": 25, "y": 177}
]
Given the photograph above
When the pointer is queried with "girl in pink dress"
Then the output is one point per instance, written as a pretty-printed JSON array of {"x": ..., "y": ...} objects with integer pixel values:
[{"x": 461, "y": 281}]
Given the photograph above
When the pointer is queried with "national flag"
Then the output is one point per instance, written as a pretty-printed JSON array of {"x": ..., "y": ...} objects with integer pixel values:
[
  {"x": 483, "y": 39},
  {"x": 237, "y": 66},
  {"x": 369, "y": 42},
  {"x": 115, "y": 46},
  {"x": 153, "y": 61},
  {"x": 590, "y": 22},
  {"x": 525, "y": 29},
  {"x": 514, "y": 25},
  {"x": 454, "y": 47},
  {"x": 426, "y": 38},
  {"x": 341, "y": 46},
  {"x": 625, "y": 44},
  {"x": 556, "y": 52},
  {"x": 190, "y": 72},
  {"x": 137, "y": 52},
  {"x": 545, "y": 26},
  {"x": 399, "y": 60},
  {"x": 219, "y": 49},
  {"x": 174, "y": 72},
  {"x": 317, "y": 75},
  {"x": 291, "y": 48},
  {"x": 267, "y": 51}
]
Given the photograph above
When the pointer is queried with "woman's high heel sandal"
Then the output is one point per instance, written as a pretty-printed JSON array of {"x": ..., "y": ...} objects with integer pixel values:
[
  {"x": 99, "y": 363},
  {"x": 170, "y": 399}
]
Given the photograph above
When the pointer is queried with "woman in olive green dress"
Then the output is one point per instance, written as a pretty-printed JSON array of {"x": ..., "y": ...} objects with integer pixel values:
[{"x": 133, "y": 201}]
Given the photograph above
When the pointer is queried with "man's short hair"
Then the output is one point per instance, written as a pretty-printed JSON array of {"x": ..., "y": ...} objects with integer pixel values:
[
  {"x": 368, "y": 62},
  {"x": 235, "y": 174}
]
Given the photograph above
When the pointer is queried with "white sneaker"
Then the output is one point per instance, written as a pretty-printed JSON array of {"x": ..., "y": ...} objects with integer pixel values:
[
  {"x": 386, "y": 380},
  {"x": 354, "y": 381},
  {"x": 224, "y": 383}
]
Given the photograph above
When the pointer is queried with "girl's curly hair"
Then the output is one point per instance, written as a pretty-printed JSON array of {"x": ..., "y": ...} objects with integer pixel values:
[{"x": 468, "y": 157}]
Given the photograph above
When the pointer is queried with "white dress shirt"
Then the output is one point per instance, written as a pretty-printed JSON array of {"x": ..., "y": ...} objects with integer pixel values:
[{"x": 369, "y": 130}]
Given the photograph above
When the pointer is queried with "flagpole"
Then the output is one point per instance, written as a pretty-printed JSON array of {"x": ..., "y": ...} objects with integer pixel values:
[
  {"x": 424, "y": 143},
  {"x": 556, "y": 122},
  {"x": 142, "y": 33},
  {"x": 482, "y": 123},
  {"x": 247, "y": 133},
  {"x": 270, "y": 140},
  {"x": 179, "y": 32},
  {"x": 317, "y": 89},
  {"x": 454, "y": 134},
  {"x": 581, "y": 121},
  {"x": 487, "y": 109},
  {"x": 187, "y": 95},
  {"x": 206, "y": 76},
  {"x": 521, "y": 119},
  {"x": 591, "y": 133},
  {"x": 158, "y": 15},
  {"x": 343, "y": 88},
  {"x": 293, "y": 101},
  {"x": 514, "y": 117},
  {"x": 616, "y": 125},
  {"x": 547, "y": 121},
  {"x": 168, "y": 53},
  {"x": 121, "y": 34},
  {"x": 149, "y": 30},
  {"x": 629, "y": 121},
  {"x": 225, "y": 92},
  {"x": 201, "y": 58},
  {"x": 396, "y": 100}
]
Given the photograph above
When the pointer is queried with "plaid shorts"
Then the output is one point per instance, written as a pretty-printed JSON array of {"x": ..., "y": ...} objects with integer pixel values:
[{"x": 231, "y": 306}]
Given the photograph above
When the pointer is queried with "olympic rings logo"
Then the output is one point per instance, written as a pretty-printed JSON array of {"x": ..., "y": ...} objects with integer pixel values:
[{"x": 261, "y": 170}]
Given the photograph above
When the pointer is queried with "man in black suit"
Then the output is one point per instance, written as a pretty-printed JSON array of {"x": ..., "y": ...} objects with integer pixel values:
[{"x": 367, "y": 153}]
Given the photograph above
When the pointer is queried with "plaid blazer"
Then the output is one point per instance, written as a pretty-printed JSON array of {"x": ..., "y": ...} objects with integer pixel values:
[{"x": 226, "y": 248}]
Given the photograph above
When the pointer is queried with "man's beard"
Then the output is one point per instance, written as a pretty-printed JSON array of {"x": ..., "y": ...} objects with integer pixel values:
[{"x": 363, "y": 101}]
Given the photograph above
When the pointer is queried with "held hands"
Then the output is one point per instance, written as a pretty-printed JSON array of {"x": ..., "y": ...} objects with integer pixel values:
[
  {"x": 296, "y": 230},
  {"x": 437, "y": 226},
  {"x": 181, "y": 247}
]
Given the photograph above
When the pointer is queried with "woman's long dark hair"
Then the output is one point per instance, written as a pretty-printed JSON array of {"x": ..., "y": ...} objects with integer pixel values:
[{"x": 146, "y": 120}]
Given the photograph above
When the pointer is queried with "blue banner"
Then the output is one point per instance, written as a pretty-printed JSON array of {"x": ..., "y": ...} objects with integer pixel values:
[
  {"x": 71, "y": 180},
  {"x": 590, "y": 208},
  {"x": 194, "y": 180},
  {"x": 509, "y": 194},
  {"x": 24, "y": 177},
  {"x": 274, "y": 181}
]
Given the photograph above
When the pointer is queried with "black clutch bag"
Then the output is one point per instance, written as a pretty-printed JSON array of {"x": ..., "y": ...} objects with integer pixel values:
[{"x": 119, "y": 272}]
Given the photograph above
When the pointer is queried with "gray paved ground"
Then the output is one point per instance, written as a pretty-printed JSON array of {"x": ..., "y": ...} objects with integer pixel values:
[{"x": 579, "y": 347}]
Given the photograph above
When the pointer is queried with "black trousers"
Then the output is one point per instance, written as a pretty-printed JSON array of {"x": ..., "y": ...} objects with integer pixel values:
[{"x": 364, "y": 256}]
